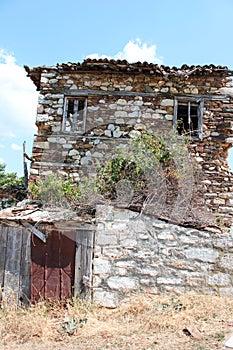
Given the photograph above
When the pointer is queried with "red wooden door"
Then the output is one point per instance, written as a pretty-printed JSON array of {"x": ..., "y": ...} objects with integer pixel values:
[{"x": 52, "y": 266}]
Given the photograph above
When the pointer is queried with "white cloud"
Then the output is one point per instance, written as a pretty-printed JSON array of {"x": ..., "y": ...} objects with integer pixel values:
[
  {"x": 18, "y": 98},
  {"x": 134, "y": 51},
  {"x": 1, "y": 160},
  {"x": 16, "y": 147},
  {"x": 98, "y": 57}
]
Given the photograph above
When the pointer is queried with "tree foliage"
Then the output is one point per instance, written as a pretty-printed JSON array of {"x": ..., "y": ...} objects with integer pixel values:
[
  {"x": 53, "y": 190},
  {"x": 9, "y": 180},
  {"x": 11, "y": 188}
]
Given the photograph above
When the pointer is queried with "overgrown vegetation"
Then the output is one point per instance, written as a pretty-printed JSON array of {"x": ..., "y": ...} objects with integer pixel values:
[
  {"x": 55, "y": 191},
  {"x": 11, "y": 188},
  {"x": 154, "y": 175},
  {"x": 160, "y": 322},
  {"x": 147, "y": 155}
]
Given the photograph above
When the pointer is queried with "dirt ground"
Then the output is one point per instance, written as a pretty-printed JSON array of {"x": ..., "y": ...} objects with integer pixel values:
[{"x": 192, "y": 322}]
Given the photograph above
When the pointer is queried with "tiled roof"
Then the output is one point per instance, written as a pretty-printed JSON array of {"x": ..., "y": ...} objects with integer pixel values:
[{"x": 123, "y": 66}]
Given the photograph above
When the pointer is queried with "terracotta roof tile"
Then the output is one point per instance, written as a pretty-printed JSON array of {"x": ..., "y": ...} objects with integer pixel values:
[{"x": 111, "y": 65}]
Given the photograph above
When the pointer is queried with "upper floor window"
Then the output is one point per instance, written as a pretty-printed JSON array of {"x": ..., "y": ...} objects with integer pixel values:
[
  {"x": 188, "y": 115},
  {"x": 74, "y": 118}
]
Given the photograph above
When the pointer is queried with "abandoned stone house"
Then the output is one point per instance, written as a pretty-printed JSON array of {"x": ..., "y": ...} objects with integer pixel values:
[
  {"x": 87, "y": 110},
  {"x": 86, "y": 113}
]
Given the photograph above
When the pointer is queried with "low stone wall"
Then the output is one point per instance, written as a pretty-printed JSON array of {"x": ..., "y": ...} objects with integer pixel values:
[{"x": 140, "y": 253}]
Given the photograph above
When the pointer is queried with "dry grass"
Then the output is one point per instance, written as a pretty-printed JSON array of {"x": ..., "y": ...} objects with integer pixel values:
[{"x": 145, "y": 322}]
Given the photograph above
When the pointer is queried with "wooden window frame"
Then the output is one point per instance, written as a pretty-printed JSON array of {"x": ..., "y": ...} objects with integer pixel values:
[
  {"x": 199, "y": 102},
  {"x": 76, "y": 100}
]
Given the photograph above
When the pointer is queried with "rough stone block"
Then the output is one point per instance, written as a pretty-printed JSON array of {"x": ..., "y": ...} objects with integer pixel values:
[
  {"x": 105, "y": 298},
  {"x": 167, "y": 103},
  {"x": 202, "y": 254},
  {"x": 42, "y": 145},
  {"x": 102, "y": 266},
  {"x": 123, "y": 283},
  {"x": 169, "y": 280},
  {"x": 104, "y": 239},
  {"x": 226, "y": 291},
  {"x": 226, "y": 261},
  {"x": 129, "y": 243},
  {"x": 148, "y": 271},
  {"x": 121, "y": 114},
  {"x": 126, "y": 264},
  {"x": 219, "y": 279},
  {"x": 43, "y": 118},
  {"x": 96, "y": 281}
]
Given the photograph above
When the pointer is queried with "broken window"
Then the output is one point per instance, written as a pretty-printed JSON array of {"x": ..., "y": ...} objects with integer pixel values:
[
  {"x": 75, "y": 114},
  {"x": 188, "y": 117}
]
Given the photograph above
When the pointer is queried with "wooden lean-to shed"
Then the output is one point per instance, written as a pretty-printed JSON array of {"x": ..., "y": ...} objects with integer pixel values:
[{"x": 42, "y": 256}]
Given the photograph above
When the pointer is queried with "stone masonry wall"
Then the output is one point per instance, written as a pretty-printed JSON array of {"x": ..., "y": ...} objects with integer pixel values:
[
  {"x": 119, "y": 105},
  {"x": 138, "y": 253}
]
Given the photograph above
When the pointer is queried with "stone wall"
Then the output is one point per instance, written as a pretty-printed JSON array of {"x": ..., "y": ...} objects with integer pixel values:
[
  {"x": 135, "y": 253},
  {"x": 122, "y": 99}
]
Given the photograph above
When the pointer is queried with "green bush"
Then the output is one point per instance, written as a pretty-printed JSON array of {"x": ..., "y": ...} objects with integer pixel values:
[{"x": 53, "y": 190}]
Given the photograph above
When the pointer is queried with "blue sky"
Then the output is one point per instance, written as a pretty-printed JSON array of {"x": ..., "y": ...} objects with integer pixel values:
[{"x": 171, "y": 32}]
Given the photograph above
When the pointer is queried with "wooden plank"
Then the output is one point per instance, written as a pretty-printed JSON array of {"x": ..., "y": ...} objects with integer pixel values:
[
  {"x": 78, "y": 272},
  {"x": 3, "y": 240},
  {"x": 12, "y": 266},
  {"x": 38, "y": 251},
  {"x": 52, "y": 263},
  {"x": 83, "y": 262},
  {"x": 90, "y": 254},
  {"x": 80, "y": 236},
  {"x": 85, "y": 93},
  {"x": 67, "y": 263},
  {"x": 25, "y": 264},
  {"x": 35, "y": 231}
]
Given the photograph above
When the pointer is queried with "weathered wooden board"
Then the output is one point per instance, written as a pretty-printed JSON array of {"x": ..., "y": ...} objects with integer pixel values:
[
  {"x": 3, "y": 243},
  {"x": 25, "y": 264},
  {"x": 67, "y": 263},
  {"x": 12, "y": 264},
  {"x": 52, "y": 266},
  {"x": 83, "y": 262},
  {"x": 35, "y": 231},
  {"x": 15, "y": 263},
  {"x": 38, "y": 251}
]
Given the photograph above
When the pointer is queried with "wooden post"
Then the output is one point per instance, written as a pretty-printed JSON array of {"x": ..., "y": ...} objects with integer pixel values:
[{"x": 25, "y": 166}]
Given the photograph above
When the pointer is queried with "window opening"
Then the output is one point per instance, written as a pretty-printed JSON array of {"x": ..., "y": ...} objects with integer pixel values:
[
  {"x": 188, "y": 117},
  {"x": 75, "y": 115}
]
